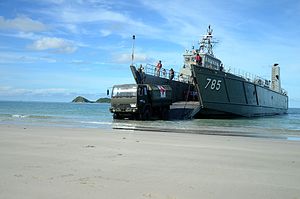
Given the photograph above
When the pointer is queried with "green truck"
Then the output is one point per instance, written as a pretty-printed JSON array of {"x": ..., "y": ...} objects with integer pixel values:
[{"x": 141, "y": 101}]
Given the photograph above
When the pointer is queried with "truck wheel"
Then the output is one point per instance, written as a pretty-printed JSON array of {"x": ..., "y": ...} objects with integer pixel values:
[
  {"x": 146, "y": 115},
  {"x": 116, "y": 116},
  {"x": 164, "y": 114}
]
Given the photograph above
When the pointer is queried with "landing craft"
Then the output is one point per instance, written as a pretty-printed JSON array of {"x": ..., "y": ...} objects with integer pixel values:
[{"x": 215, "y": 91}]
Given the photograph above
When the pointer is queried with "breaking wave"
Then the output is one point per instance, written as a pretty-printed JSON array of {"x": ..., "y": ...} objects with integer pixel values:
[{"x": 32, "y": 116}]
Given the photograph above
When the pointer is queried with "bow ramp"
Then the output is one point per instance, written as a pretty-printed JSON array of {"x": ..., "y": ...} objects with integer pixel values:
[{"x": 184, "y": 110}]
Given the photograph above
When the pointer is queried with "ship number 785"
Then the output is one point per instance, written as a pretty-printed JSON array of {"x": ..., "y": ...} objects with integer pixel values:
[{"x": 213, "y": 84}]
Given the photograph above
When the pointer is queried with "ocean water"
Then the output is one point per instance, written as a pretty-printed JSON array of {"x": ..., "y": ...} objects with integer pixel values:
[
  {"x": 56, "y": 114},
  {"x": 98, "y": 116}
]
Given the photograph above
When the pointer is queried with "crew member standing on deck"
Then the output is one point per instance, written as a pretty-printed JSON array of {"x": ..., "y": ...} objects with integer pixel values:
[
  {"x": 158, "y": 67},
  {"x": 198, "y": 59},
  {"x": 171, "y": 73},
  {"x": 164, "y": 73}
]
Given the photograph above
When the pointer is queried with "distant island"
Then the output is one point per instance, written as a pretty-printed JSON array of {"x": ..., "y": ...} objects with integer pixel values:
[
  {"x": 103, "y": 100},
  {"x": 81, "y": 99}
]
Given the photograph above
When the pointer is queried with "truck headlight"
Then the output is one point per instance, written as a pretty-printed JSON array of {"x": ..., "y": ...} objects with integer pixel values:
[{"x": 133, "y": 105}]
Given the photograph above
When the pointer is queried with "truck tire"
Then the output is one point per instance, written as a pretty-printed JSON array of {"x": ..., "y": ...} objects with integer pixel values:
[
  {"x": 164, "y": 113},
  {"x": 146, "y": 115},
  {"x": 116, "y": 116}
]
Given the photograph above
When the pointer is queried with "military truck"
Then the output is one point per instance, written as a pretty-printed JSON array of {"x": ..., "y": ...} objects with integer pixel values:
[{"x": 141, "y": 101}]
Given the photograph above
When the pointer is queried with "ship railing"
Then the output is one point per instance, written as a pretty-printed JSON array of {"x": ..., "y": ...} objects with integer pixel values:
[
  {"x": 151, "y": 69},
  {"x": 249, "y": 77},
  {"x": 284, "y": 92}
]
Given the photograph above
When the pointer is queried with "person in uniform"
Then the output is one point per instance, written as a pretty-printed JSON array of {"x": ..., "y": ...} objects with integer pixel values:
[
  {"x": 164, "y": 73},
  {"x": 171, "y": 73},
  {"x": 198, "y": 59},
  {"x": 158, "y": 67}
]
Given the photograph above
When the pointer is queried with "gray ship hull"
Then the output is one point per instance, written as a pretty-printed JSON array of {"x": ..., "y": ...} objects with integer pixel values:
[{"x": 225, "y": 94}]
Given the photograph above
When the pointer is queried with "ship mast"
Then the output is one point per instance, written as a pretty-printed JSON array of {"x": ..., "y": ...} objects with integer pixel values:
[
  {"x": 132, "y": 55},
  {"x": 206, "y": 44}
]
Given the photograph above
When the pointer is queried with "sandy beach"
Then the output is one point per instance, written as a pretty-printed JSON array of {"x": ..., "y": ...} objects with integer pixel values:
[{"x": 46, "y": 162}]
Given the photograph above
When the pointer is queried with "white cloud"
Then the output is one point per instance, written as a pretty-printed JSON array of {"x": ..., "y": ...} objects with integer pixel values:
[
  {"x": 79, "y": 62},
  {"x": 26, "y": 35},
  {"x": 106, "y": 18},
  {"x": 5, "y": 88},
  {"x": 105, "y": 33},
  {"x": 21, "y": 35},
  {"x": 8, "y": 90},
  {"x": 45, "y": 94},
  {"x": 125, "y": 58},
  {"x": 12, "y": 57},
  {"x": 22, "y": 23},
  {"x": 53, "y": 43},
  {"x": 46, "y": 91},
  {"x": 91, "y": 11}
]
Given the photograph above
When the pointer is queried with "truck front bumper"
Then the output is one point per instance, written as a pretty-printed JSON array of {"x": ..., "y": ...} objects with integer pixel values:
[{"x": 123, "y": 110}]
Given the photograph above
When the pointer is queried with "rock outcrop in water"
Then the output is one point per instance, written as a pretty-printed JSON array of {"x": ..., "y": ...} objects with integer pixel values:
[
  {"x": 81, "y": 99},
  {"x": 103, "y": 100}
]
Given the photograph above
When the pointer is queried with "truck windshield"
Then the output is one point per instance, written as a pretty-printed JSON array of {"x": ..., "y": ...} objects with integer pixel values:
[{"x": 124, "y": 92}]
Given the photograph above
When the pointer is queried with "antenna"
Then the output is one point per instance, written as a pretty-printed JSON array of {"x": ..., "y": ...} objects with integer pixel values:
[
  {"x": 132, "y": 55},
  {"x": 207, "y": 43}
]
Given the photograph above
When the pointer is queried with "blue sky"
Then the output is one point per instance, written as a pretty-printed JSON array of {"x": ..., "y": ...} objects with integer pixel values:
[{"x": 54, "y": 50}]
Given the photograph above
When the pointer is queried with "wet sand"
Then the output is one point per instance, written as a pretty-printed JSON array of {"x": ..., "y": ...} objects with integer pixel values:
[{"x": 46, "y": 162}]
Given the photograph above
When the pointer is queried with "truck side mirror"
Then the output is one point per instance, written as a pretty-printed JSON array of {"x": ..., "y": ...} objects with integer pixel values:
[{"x": 107, "y": 92}]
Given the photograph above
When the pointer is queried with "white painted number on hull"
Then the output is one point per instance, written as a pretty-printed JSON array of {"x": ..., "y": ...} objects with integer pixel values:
[{"x": 213, "y": 84}]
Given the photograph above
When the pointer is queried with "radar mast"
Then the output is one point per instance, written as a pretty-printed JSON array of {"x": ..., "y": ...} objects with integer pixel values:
[{"x": 206, "y": 44}]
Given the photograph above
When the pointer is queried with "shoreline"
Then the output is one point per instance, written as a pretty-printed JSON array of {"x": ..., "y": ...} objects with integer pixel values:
[
  {"x": 218, "y": 131},
  {"x": 55, "y": 162},
  {"x": 252, "y": 132}
]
